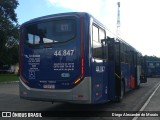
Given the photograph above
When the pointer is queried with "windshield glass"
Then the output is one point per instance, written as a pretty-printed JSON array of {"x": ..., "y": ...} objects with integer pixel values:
[{"x": 55, "y": 31}]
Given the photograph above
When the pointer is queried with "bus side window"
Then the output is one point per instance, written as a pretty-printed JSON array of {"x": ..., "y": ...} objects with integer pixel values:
[
  {"x": 122, "y": 52},
  {"x": 97, "y": 35},
  {"x": 101, "y": 34},
  {"x": 139, "y": 59},
  {"x": 127, "y": 54}
]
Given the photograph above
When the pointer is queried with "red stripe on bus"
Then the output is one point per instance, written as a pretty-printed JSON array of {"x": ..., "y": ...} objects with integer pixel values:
[{"x": 82, "y": 48}]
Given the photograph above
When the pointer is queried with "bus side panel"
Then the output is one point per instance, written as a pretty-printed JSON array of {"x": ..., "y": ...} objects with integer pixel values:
[
  {"x": 99, "y": 79},
  {"x": 111, "y": 81},
  {"x": 105, "y": 82},
  {"x": 125, "y": 75},
  {"x": 132, "y": 76}
]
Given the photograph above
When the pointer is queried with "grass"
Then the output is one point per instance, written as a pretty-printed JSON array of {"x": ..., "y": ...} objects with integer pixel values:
[{"x": 8, "y": 77}]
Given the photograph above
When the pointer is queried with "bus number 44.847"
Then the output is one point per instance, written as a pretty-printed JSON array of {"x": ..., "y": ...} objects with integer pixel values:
[{"x": 64, "y": 52}]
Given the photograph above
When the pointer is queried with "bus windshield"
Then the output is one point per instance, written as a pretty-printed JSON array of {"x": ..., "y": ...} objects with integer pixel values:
[{"x": 55, "y": 31}]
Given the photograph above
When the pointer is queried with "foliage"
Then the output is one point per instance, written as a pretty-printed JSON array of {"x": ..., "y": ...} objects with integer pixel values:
[
  {"x": 8, "y": 77},
  {"x": 151, "y": 58},
  {"x": 8, "y": 32}
]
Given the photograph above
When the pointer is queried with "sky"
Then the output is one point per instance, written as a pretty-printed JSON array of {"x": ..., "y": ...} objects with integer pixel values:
[{"x": 139, "y": 19}]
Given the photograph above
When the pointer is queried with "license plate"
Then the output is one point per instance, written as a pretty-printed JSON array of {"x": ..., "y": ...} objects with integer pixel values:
[{"x": 49, "y": 86}]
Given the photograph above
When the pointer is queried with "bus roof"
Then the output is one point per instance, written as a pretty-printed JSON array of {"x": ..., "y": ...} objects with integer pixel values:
[{"x": 60, "y": 15}]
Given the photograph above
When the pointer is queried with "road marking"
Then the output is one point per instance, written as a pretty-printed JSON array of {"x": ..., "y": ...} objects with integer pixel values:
[{"x": 148, "y": 100}]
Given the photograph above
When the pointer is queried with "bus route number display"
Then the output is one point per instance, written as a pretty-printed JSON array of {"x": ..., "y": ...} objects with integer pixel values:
[{"x": 64, "y": 27}]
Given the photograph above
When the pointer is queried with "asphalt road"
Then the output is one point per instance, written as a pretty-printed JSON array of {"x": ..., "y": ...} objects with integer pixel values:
[{"x": 133, "y": 101}]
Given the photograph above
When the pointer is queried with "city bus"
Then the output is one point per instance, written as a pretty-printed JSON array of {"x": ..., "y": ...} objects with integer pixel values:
[
  {"x": 153, "y": 68},
  {"x": 72, "y": 57}
]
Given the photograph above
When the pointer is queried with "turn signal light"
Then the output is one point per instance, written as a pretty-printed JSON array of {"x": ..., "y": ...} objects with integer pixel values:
[{"x": 76, "y": 81}]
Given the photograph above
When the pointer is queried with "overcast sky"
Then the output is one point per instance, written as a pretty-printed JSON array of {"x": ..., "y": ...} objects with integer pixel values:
[{"x": 140, "y": 20}]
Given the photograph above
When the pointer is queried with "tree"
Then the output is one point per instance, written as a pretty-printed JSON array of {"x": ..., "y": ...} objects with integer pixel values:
[
  {"x": 8, "y": 32},
  {"x": 151, "y": 58}
]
